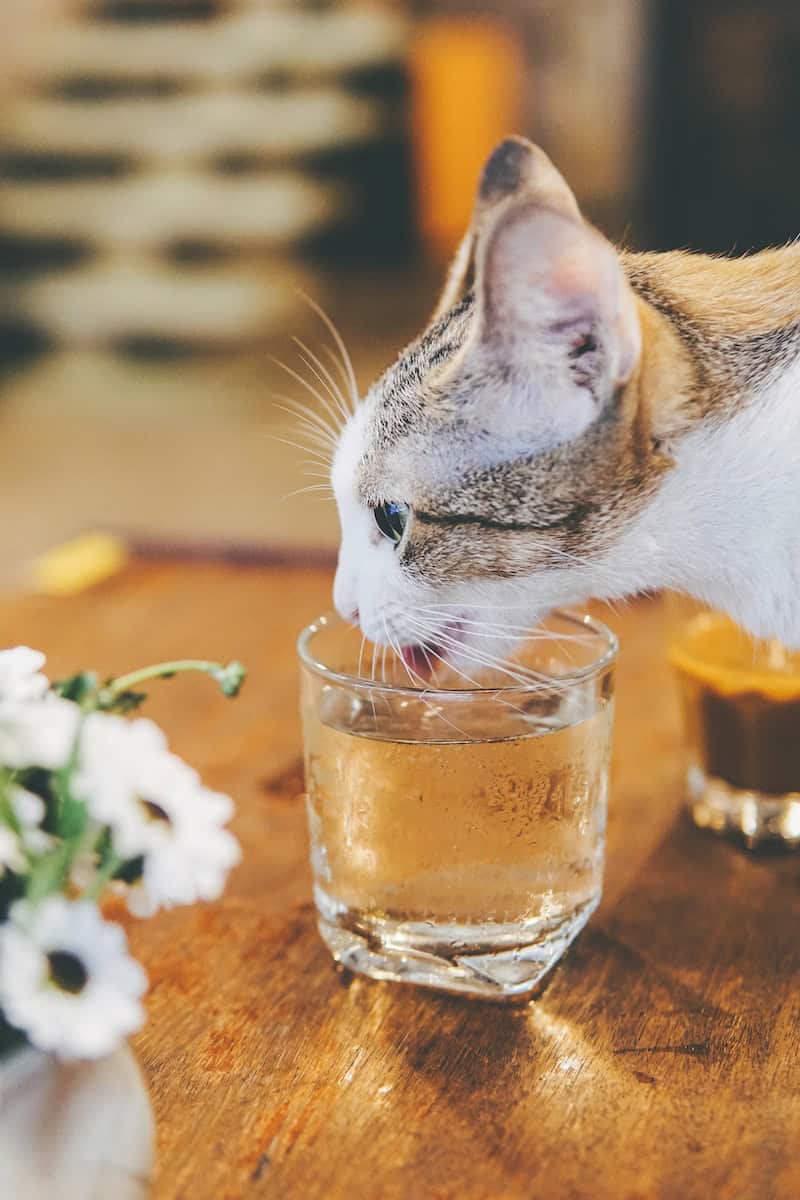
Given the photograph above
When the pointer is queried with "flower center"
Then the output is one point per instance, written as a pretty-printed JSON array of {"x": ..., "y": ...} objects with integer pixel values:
[
  {"x": 154, "y": 811},
  {"x": 67, "y": 971}
]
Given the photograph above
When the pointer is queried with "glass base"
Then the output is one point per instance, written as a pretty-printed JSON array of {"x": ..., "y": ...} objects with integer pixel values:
[
  {"x": 490, "y": 962},
  {"x": 756, "y": 817}
]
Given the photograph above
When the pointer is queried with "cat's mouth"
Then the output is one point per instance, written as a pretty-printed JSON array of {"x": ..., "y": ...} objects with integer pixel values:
[{"x": 422, "y": 658}]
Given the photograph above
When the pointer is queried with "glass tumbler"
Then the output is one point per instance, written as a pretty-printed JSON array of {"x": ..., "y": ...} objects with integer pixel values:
[
  {"x": 741, "y": 705},
  {"x": 457, "y": 833}
]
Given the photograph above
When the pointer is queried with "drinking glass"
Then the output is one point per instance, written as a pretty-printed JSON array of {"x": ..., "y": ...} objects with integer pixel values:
[
  {"x": 457, "y": 833},
  {"x": 741, "y": 705}
]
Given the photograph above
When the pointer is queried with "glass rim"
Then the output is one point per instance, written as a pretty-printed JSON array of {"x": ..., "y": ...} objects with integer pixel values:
[{"x": 582, "y": 619}]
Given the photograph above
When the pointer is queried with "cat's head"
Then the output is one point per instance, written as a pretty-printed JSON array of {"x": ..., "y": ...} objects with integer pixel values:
[{"x": 489, "y": 471}]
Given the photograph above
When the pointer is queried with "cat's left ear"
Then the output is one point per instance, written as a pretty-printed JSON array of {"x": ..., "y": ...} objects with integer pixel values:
[
  {"x": 516, "y": 167},
  {"x": 551, "y": 290}
]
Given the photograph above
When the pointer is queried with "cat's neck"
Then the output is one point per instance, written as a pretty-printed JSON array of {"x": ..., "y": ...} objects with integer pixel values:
[
  {"x": 721, "y": 378},
  {"x": 739, "y": 297},
  {"x": 727, "y": 328}
]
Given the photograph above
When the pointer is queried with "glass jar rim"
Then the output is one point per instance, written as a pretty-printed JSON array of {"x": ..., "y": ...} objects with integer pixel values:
[{"x": 581, "y": 619}]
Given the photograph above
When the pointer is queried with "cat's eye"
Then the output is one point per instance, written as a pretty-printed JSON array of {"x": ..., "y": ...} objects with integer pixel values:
[{"x": 391, "y": 518}]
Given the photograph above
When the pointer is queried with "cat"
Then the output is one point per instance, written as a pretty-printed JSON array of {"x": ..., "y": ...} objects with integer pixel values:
[{"x": 575, "y": 421}]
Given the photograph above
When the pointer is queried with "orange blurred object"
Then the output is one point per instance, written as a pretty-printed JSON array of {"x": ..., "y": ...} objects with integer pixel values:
[{"x": 467, "y": 81}]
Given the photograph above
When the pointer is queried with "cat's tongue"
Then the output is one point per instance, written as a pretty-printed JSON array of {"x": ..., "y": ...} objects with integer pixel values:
[{"x": 418, "y": 660}]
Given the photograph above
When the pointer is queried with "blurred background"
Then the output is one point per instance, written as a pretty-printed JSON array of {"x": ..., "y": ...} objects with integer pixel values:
[{"x": 173, "y": 171}]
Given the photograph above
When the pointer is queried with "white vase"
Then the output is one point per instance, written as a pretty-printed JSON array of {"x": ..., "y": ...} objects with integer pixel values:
[{"x": 77, "y": 1130}]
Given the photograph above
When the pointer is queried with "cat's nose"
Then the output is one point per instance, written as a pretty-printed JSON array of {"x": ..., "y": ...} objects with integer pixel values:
[{"x": 344, "y": 599}]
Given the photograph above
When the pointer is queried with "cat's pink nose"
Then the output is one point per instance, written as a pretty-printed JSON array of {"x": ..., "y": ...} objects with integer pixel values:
[{"x": 355, "y": 617}]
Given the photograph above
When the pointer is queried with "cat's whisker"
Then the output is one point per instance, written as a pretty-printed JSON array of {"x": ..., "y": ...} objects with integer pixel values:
[
  {"x": 312, "y": 424},
  {"x": 482, "y": 661},
  {"x": 428, "y": 661},
  {"x": 314, "y": 487},
  {"x": 324, "y": 376},
  {"x": 525, "y": 677},
  {"x": 318, "y": 396},
  {"x": 343, "y": 375},
  {"x": 547, "y": 637},
  {"x": 462, "y": 605},
  {"x": 427, "y": 634},
  {"x": 420, "y": 688},
  {"x": 344, "y": 413},
  {"x": 346, "y": 361},
  {"x": 371, "y": 693},
  {"x": 426, "y": 650},
  {"x": 497, "y": 696},
  {"x": 361, "y": 655},
  {"x": 532, "y": 632},
  {"x": 305, "y": 409},
  {"x": 399, "y": 656},
  {"x": 414, "y": 678},
  {"x": 528, "y": 632},
  {"x": 321, "y": 457},
  {"x": 313, "y": 444}
]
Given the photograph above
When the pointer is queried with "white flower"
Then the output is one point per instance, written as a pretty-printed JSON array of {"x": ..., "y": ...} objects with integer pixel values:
[
  {"x": 11, "y": 855},
  {"x": 66, "y": 979},
  {"x": 28, "y": 807},
  {"x": 28, "y": 810},
  {"x": 37, "y": 733},
  {"x": 189, "y": 852},
  {"x": 157, "y": 809},
  {"x": 19, "y": 674},
  {"x": 83, "y": 869},
  {"x": 113, "y": 755}
]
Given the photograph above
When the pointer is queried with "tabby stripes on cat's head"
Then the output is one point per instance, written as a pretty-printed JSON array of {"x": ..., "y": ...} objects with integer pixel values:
[{"x": 574, "y": 421}]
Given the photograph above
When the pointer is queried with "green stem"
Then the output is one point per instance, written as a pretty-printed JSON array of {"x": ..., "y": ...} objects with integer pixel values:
[
  {"x": 48, "y": 873},
  {"x": 124, "y": 682},
  {"x": 229, "y": 677},
  {"x": 7, "y": 814},
  {"x": 106, "y": 872}
]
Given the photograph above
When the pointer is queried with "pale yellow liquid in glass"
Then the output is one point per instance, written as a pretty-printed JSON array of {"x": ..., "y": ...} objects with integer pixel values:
[{"x": 470, "y": 833}]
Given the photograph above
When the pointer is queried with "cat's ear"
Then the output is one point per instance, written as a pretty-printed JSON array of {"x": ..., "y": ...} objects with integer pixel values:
[
  {"x": 551, "y": 291},
  {"x": 460, "y": 276},
  {"x": 516, "y": 167}
]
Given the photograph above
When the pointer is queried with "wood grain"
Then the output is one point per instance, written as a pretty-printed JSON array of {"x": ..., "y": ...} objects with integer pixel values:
[{"x": 659, "y": 1062}]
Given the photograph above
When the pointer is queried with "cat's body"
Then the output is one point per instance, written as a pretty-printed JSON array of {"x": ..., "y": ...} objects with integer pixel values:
[{"x": 576, "y": 422}]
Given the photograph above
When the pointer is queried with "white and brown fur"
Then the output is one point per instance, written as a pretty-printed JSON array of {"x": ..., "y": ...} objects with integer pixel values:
[{"x": 577, "y": 421}]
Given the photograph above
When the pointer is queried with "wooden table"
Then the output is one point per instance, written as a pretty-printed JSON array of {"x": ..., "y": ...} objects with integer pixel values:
[{"x": 660, "y": 1061}]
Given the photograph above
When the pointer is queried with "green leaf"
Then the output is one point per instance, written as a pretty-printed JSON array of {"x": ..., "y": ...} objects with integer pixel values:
[
  {"x": 72, "y": 818},
  {"x": 7, "y": 815},
  {"x": 48, "y": 873},
  {"x": 77, "y": 687},
  {"x": 122, "y": 703}
]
